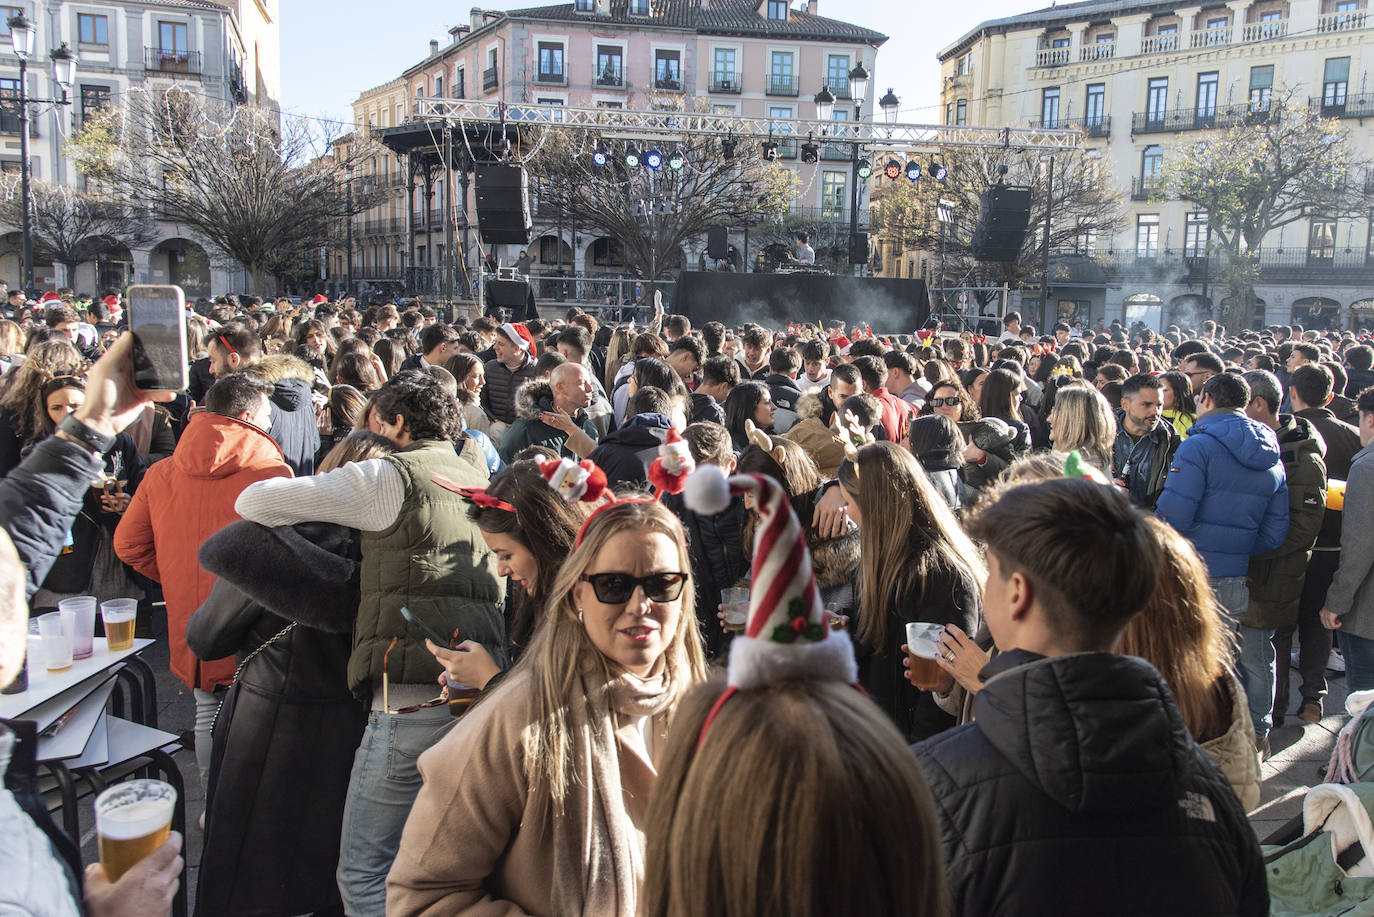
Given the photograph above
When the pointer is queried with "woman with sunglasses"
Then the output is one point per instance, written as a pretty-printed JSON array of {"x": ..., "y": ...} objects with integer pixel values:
[
  {"x": 988, "y": 443},
  {"x": 536, "y": 801},
  {"x": 530, "y": 528}
]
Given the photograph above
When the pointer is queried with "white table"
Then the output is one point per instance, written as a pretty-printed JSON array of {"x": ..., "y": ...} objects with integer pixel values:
[{"x": 45, "y": 685}]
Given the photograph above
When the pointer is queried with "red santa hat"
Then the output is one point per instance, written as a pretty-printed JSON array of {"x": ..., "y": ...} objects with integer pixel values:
[
  {"x": 112, "y": 301},
  {"x": 841, "y": 342},
  {"x": 520, "y": 336},
  {"x": 319, "y": 299},
  {"x": 668, "y": 473},
  {"x": 575, "y": 481},
  {"x": 50, "y": 296},
  {"x": 787, "y": 635}
]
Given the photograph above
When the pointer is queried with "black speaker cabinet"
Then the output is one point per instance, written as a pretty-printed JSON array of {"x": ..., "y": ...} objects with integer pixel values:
[
  {"x": 717, "y": 243},
  {"x": 1003, "y": 215},
  {"x": 503, "y": 207}
]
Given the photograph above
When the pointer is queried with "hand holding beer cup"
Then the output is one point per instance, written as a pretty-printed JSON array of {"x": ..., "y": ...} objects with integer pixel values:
[
  {"x": 132, "y": 819},
  {"x": 969, "y": 658},
  {"x": 146, "y": 889},
  {"x": 922, "y": 650}
]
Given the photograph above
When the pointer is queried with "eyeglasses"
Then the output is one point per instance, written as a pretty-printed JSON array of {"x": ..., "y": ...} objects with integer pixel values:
[
  {"x": 616, "y": 588},
  {"x": 952, "y": 401},
  {"x": 386, "y": 687}
]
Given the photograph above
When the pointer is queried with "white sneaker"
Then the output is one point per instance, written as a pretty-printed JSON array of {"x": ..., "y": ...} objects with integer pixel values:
[{"x": 1336, "y": 662}]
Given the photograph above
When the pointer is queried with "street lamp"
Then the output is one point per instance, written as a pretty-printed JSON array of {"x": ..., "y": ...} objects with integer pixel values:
[
  {"x": 23, "y": 36},
  {"x": 858, "y": 87},
  {"x": 825, "y": 104},
  {"x": 889, "y": 104}
]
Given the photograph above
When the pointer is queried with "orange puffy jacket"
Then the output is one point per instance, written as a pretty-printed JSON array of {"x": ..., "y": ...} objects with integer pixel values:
[{"x": 182, "y": 501}]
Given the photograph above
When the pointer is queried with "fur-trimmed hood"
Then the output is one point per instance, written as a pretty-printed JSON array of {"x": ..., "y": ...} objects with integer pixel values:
[
  {"x": 809, "y": 405},
  {"x": 279, "y": 367},
  {"x": 533, "y": 398}
]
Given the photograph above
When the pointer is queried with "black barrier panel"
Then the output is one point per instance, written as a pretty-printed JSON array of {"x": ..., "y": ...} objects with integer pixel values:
[{"x": 773, "y": 300}]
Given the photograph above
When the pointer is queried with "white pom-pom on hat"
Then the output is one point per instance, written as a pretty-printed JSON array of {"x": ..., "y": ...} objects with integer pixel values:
[{"x": 707, "y": 491}]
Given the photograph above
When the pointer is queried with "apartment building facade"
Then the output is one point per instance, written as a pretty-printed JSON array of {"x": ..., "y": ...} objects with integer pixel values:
[
  {"x": 1143, "y": 81},
  {"x": 224, "y": 49},
  {"x": 756, "y": 58}
]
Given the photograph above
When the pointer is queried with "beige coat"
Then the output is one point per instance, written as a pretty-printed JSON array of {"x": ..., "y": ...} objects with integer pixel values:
[
  {"x": 1234, "y": 750},
  {"x": 476, "y": 842}
]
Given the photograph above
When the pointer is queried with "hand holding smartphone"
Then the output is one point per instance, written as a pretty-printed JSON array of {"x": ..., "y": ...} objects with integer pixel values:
[{"x": 157, "y": 319}]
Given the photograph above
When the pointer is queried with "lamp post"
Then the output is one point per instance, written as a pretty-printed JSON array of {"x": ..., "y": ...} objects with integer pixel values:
[
  {"x": 858, "y": 91},
  {"x": 1045, "y": 263},
  {"x": 348, "y": 283},
  {"x": 22, "y": 37}
]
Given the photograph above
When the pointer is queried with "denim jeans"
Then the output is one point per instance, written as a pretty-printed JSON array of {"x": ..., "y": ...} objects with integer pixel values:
[
  {"x": 1255, "y": 664},
  {"x": 1359, "y": 661},
  {"x": 207, "y": 705},
  {"x": 381, "y": 790}
]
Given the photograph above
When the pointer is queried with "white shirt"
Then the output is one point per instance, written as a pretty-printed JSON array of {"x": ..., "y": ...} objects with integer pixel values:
[{"x": 362, "y": 495}]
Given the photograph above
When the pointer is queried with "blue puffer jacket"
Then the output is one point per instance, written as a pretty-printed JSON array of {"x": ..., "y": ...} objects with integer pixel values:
[{"x": 1226, "y": 492}]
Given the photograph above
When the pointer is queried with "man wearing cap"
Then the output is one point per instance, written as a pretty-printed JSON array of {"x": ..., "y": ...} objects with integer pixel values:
[{"x": 512, "y": 366}]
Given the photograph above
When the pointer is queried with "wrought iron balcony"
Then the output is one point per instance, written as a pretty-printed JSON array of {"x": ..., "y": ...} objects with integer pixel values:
[
  {"x": 1173, "y": 120},
  {"x": 491, "y": 78},
  {"x": 1144, "y": 186},
  {"x": 1091, "y": 126},
  {"x": 725, "y": 81},
  {"x": 178, "y": 62},
  {"x": 612, "y": 76},
  {"x": 779, "y": 85},
  {"x": 555, "y": 78},
  {"x": 1360, "y": 105}
]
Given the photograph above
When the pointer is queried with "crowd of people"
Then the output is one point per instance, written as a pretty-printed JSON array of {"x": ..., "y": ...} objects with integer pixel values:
[{"x": 453, "y": 603}]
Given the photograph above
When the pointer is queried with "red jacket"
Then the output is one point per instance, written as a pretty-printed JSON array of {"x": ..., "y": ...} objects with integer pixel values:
[
  {"x": 896, "y": 414},
  {"x": 181, "y": 502}
]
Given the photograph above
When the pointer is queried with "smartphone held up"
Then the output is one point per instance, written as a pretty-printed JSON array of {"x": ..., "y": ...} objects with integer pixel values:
[{"x": 157, "y": 319}]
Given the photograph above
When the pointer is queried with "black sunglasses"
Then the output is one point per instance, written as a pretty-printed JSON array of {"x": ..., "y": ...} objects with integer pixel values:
[
  {"x": 944, "y": 402},
  {"x": 616, "y": 588}
]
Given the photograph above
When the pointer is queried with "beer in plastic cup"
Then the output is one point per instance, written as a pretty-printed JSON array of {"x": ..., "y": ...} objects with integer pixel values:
[
  {"x": 57, "y": 628},
  {"x": 83, "y": 607},
  {"x": 1335, "y": 495},
  {"x": 118, "y": 615},
  {"x": 132, "y": 820},
  {"x": 735, "y": 602},
  {"x": 923, "y": 645}
]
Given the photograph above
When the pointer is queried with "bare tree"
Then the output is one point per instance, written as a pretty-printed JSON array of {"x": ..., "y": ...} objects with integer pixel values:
[
  {"x": 653, "y": 212},
  {"x": 70, "y": 226},
  {"x": 1085, "y": 208},
  {"x": 1278, "y": 167},
  {"x": 253, "y": 183}
]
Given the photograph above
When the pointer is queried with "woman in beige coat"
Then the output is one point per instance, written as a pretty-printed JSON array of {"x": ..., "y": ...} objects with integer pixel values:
[{"x": 534, "y": 803}]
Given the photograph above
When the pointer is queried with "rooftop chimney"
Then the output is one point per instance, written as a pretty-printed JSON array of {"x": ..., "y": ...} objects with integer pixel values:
[
  {"x": 459, "y": 32},
  {"x": 433, "y": 47},
  {"x": 811, "y": 7},
  {"x": 476, "y": 17}
]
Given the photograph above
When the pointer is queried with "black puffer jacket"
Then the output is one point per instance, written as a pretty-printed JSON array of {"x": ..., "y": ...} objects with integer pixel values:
[
  {"x": 1077, "y": 790},
  {"x": 498, "y": 395},
  {"x": 625, "y": 455},
  {"x": 294, "y": 426}
]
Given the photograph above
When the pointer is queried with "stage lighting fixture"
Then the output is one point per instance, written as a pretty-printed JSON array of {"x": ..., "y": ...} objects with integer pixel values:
[
  {"x": 727, "y": 147},
  {"x": 631, "y": 157},
  {"x": 770, "y": 150},
  {"x": 937, "y": 170},
  {"x": 865, "y": 170},
  {"x": 893, "y": 170},
  {"x": 913, "y": 170},
  {"x": 599, "y": 156},
  {"x": 810, "y": 152},
  {"x": 676, "y": 160},
  {"x": 653, "y": 159}
]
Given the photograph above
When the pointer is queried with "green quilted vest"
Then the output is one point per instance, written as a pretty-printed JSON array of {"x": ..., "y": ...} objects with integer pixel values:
[{"x": 433, "y": 561}]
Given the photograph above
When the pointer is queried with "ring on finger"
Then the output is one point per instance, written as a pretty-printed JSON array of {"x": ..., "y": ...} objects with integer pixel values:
[{"x": 949, "y": 656}]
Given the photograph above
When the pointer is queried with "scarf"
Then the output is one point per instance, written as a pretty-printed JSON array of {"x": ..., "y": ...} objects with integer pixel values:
[{"x": 598, "y": 850}]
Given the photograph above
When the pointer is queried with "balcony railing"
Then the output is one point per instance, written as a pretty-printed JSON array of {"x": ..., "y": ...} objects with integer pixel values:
[
  {"x": 1173, "y": 120},
  {"x": 184, "y": 62},
  {"x": 1208, "y": 38},
  {"x": 1101, "y": 50},
  {"x": 1275, "y": 263},
  {"x": 1142, "y": 187},
  {"x": 779, "y": 85},
  {"x": 830, "y": 214},
  {"x": 1159, "y": 44},
  {"x": 1360, "y": 105},
  {"x": 1093, "y": 126},
  {"x": 1342, "y": 22},
  {"x": 725, "y": 81},
  {"x": 1051, "y": 57},
  {"x": 1264, "y": 31},
  {"x": 612, "y": 76},
  {"x": 380, "y": 227},
  {"x": 840, "y": 89},
  {"x": 491, "y": 78},
  {"x": 556, "y": 78},
  {"x": 668, "y": 83}
]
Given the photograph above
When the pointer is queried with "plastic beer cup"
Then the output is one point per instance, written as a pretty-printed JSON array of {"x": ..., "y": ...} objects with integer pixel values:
[
  {"x": 83, "y": 607},
  {"x": 132, "y": 820},
  {"x": 118, "y": 615},
  {"x": 923, "y": 645},
  {"x": 56, "y": 628},
  {"x": 735, "y": 602}
]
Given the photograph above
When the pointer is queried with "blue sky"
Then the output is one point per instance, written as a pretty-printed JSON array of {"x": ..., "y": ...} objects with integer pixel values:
[{"x": 328, "y": 58}]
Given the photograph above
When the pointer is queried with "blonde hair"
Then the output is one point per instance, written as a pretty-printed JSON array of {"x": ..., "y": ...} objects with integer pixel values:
[
  {"x": 23, "y": 385},
  {"x": 1180, "y": 633},
  {"x": 616, "y": 352},
  {"x": 358, "y": 446},
  {"x": 907, "y": 534},
  {"x": 803, "y": 800},
  {"x": 1083, "y": 420},
  {"x": 561, "y": 650},
  {"x": 11, "y": 338}
]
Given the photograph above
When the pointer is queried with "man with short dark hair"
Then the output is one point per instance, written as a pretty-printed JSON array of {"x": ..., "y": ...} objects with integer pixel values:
[
  {"x": 783, "y": 364},
  {"x": 902, "y": 379},
  {"x": 1199, "y": 367},
  {"x": 676, "y": 328},
  {"x": 1145, "y": 442},
  {"x": 438, "y": 342},
  {"x": 1359, "y": 362},
  {"x": 1011, "y": 327},
  {"x": 1226, "y": 493},
  {"x": 1032, "y": 783},
  {"x": 754, "y": 359},
  {"x": 184, "y": 500},
  {"x": 1350, "y": 601},
  {"x": 719, "y": 374},
  {"x": 844, "y": 384},
  {"x": 421, "y": 551},
  {"x": 1275, "y": 578},
  {"x": 626, "y": 453},
  {"x": 685, "y": 356},
  {"x": 896, "y": 413},
  {"x": 815, "y": 374}
]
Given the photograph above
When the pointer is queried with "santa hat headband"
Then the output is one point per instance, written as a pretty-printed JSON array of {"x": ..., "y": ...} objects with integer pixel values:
[
  {"x": 668, "y": 473},
  {"x": 787, "y": 635},
  {"x": 519, "y": 335},
  {"x": 573, "y": 481}
]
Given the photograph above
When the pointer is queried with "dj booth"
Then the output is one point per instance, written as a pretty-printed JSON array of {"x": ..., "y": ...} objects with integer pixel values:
[{"x": 773, "y": 300}]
